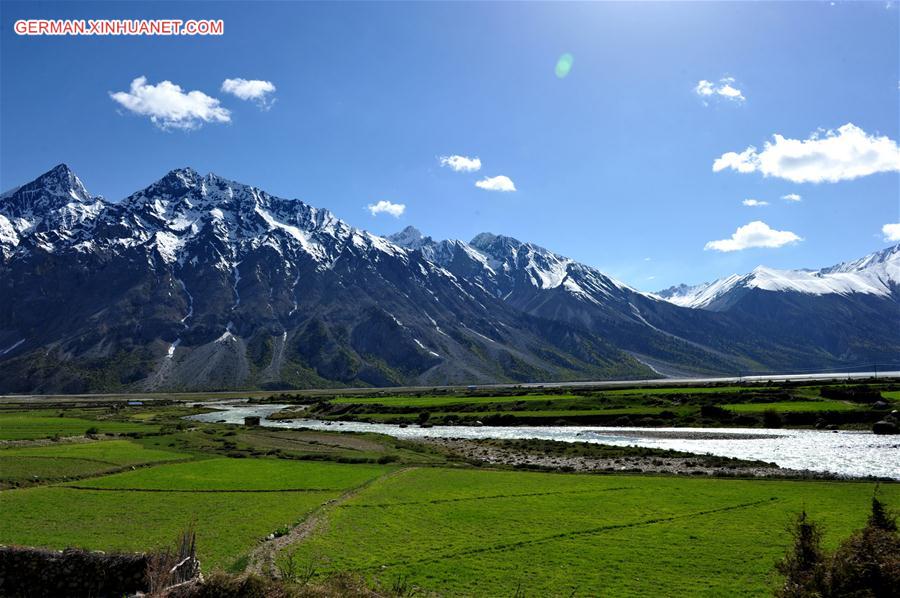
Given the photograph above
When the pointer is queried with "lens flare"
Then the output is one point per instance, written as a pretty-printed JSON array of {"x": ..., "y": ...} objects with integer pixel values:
[{"x": 564, "y": 65}]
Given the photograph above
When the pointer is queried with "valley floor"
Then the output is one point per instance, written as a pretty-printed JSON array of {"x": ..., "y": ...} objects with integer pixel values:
[{"x": 437, "y": 519}]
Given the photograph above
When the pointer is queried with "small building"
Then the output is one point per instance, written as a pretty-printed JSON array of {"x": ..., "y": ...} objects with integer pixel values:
[{"x": 251, "y": 420}]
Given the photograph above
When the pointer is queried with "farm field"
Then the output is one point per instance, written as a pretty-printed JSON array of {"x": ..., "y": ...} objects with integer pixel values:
[
  {"x": 489, "y": 532},
  {"x": 35, "y": 424},
  {"x": 791, "y": 406},
  {"x": 233, "y": 503},
  {"x": 58, "y": 462},
  {"x": 848, "y": 406},
  {"x": 414, "y": 517}
]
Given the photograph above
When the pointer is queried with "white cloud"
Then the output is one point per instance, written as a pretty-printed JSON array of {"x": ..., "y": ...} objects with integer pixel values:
[
  {"x": 831, "y": 156},
  {"x": 723, "y": 89},
  {"x": 496, "y": 183},
  {"x": 386, "y": 207},
  {"x": 250, "y": 89},
  {"x": 891, "y": 231},
  {"x": 754, "y": 203},
  {"x": 705, "y": 88},
  {"x": 792, "y": 197},
  {"x": 754, "y": 234},
  {"x": 461, "y": 163},
  {"x": 169, "y": 107}
]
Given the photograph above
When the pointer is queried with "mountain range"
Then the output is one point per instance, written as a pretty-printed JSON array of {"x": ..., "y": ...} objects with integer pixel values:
[{"x": 198, "y": 282}]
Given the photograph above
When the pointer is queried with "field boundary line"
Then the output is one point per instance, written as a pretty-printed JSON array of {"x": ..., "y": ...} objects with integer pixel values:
[
  {"x": 201, "y": 490},
  {"x": 55, "y": 482},
  {"x": 573, "y": 534},
  {"x": 261, "y": 559},
  {"x": 438, "y": 501},
  {"x": 101, "y": 461}
]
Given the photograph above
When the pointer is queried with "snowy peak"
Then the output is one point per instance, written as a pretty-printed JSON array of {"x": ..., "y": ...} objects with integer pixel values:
[
  {"x": 411, "y": 238},
  {"x": 700, "y": 296},
  {"x": 174, "y": 218},
  {"x": 543, "y": 269},
  {"x": 185, "y": 205},
  {"x": 887, "y": 261},
  {"x": 875, "y": 274},
  {"x": 53, "y": 206},
  {"x": 52, "y": 190}
]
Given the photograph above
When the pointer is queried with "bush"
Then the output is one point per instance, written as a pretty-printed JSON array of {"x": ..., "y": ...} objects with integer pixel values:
[
  {"x": 857, "y": 394},
  {"x": 92, "y": 431},
  {"x": 865, "y": 565},
  {"x": 771, "y": 419},
  {"x": 803, "y": 566},
  {"x": 714, "y": 412}
]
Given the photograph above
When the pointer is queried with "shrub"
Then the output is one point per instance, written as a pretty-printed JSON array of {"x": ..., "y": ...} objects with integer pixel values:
[
  {"x": 714, "y": 412},
  {"x": 868, "y": 563},
  {"x": 803, "y": 566},
  {"x": 92, "y": 431},
  {"x": 771, "y": 419},
  {"x": 865, "y": 565},
  {"x": 857, "y": 394}
]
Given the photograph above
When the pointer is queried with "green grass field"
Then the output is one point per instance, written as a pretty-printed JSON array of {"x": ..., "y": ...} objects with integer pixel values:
[
  {"x": 893, "y": 395},
  {"x": 58, "y": 462},
  {"x": 489, "y": 532},
  {"x": 791, "y": 406},
  {"x": 743, "y": 406},
  {"x": 233, "y": 502},
  {"x": 554, "y": 413},
  {"x": 438, "y": 401},
  {"x": 34, "y": 424},
  {"x": 437, "y": 523},
  {"x": 446, "y": 400}
]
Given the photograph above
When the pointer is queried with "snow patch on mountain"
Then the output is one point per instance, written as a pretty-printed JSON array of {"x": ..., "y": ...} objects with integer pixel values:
[{"x": 874, "y": 274}]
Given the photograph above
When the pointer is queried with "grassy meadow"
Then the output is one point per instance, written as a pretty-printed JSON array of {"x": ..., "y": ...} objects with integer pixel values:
[
  {"x": 855, "y": 406},
  {"x": 490, "y": 532},
  {"x": 412, "y": 517}
]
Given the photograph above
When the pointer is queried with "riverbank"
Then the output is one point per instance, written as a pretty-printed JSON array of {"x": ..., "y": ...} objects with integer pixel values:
[{"x": 530, "y": 454}]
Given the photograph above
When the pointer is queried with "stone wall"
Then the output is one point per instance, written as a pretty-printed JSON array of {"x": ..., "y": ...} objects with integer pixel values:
[{"x": 34, "y": 572}]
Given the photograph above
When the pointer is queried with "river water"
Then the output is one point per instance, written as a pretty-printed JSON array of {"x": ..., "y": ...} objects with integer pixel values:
[{"x": 844, "y": 453}]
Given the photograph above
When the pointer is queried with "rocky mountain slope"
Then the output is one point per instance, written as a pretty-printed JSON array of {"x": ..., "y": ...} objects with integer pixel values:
[{"x": 199, "y": 282}]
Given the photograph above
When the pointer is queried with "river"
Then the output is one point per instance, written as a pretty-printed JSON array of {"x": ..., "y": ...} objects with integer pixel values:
[{"x": 843, "y": 453}]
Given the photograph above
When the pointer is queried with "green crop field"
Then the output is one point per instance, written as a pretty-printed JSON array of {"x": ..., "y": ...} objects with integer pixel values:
[
  {"x": 489, "y": 532},
  {"x": 34, "y": 424},
  {"x": 57, "y": 462},
  {"x": 792, "y": 406},
  {"x": 403, "y": 514},
  {"x": 557, "y": 413},
  {"x": 437, "y": 401},
  {"x": 251, "y": 475},
  {"x": 233, "y": 502},
  {"x": 446, "y": 400}
]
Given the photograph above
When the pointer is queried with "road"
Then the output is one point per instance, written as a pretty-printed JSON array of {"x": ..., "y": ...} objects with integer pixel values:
[{"x": 599, "y": 384}]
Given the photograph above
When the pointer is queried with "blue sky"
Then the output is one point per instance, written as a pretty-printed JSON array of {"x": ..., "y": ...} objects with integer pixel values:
[{"x": 612, "y": 164}]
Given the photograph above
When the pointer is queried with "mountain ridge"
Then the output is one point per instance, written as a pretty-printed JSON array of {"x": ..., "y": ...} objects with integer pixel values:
[
  {"x": 877, "y": 273},
  {"x": 200, "y": 282}
]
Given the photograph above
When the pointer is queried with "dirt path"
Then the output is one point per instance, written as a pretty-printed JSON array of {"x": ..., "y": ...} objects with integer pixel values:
[{"x": 262, "y": 559}]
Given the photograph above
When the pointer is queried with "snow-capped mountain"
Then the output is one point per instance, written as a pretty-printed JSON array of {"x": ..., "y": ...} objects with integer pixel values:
[
  {"x": 511, "y": 269},
  {"x": 876, "y": 274},
  {"x": 51, "y": 208},
  {"x": 200, "y": 282}
]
